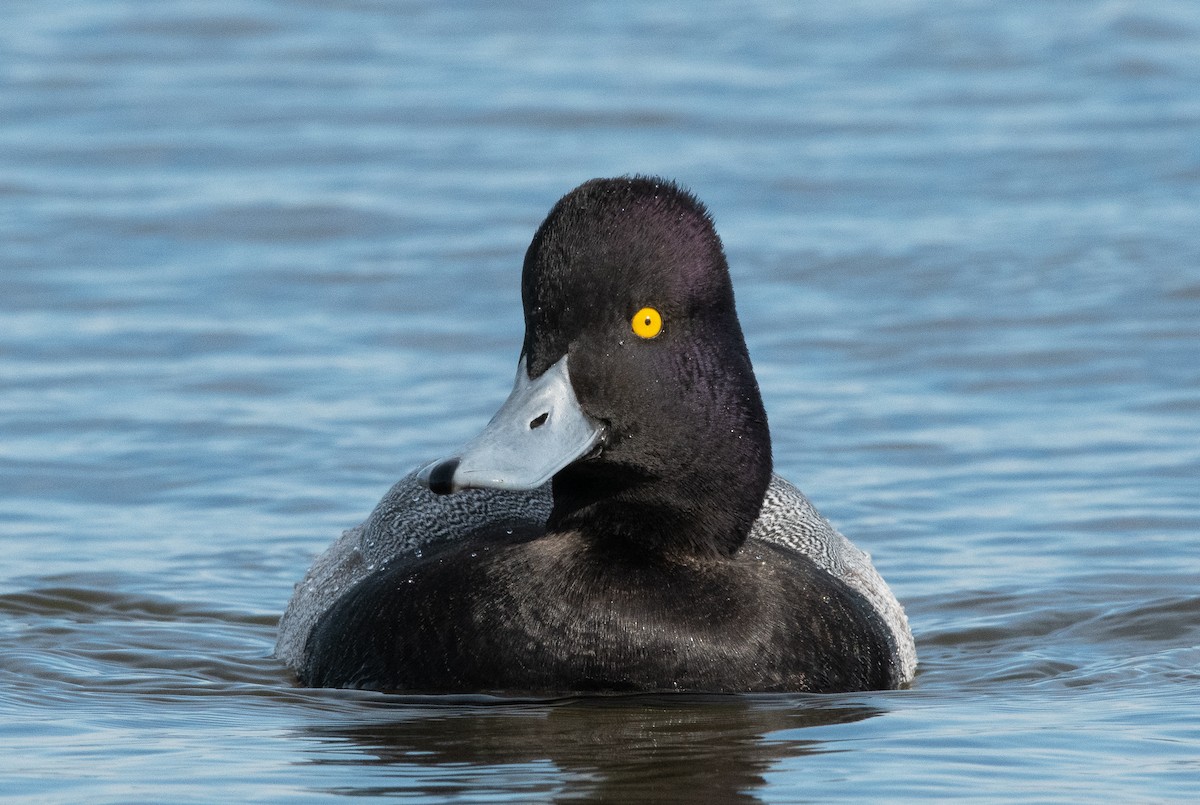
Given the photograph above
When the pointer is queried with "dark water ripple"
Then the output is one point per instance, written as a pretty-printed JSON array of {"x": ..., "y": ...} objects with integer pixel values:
[{"x": 257, "y": 259}]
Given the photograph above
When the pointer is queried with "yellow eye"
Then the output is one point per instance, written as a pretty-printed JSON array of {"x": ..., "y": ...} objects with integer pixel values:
[{"x": 647, "y": 322}]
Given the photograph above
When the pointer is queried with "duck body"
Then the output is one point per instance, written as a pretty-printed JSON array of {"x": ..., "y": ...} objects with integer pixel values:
[
  {"x": 617, "y": 526},
  {"x": 529, "y": 612}
]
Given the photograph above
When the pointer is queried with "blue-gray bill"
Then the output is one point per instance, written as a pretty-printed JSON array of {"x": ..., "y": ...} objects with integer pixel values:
[{"x": 539, "y": 430}]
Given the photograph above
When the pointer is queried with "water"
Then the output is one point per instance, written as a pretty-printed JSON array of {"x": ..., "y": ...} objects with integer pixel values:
[{"x": 259, "y": 258}]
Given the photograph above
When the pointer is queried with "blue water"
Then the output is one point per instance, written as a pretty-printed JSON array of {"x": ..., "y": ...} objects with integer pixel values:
[{"x": 259, "y": 258}]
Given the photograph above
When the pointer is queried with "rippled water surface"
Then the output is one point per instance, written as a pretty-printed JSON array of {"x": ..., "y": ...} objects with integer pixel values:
[{"x": 259, "y": 258}]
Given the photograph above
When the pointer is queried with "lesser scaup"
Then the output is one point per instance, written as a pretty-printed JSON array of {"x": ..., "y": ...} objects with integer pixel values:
[{"x": 617, "y": 526}]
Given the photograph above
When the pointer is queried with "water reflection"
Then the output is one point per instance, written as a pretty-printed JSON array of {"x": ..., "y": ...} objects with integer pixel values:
[{"x": 702, "y": 749}]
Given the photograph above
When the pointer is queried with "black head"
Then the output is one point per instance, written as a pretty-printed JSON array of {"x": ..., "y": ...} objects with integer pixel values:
[{"x": 627, "y": 278}]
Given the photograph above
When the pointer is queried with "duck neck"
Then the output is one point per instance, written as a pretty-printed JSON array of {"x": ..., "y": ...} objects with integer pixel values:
[{"x": 701, "y": 506}]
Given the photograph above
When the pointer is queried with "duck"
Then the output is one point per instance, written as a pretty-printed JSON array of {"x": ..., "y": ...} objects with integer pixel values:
[{"x": 617, "y": 527}]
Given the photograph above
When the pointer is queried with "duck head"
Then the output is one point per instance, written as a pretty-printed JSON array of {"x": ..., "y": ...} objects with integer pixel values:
[{"x": 634, "y": 391}]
